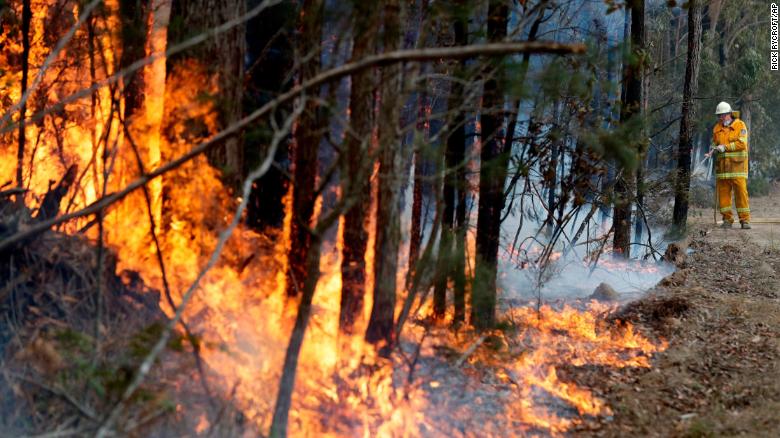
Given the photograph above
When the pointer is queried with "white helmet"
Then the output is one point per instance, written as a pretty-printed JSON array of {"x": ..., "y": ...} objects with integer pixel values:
[{"x": 722, "y": 108}]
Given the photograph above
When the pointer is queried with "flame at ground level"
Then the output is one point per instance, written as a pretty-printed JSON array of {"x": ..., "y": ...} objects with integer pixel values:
[
  {"x": 504, "y": 387},
  {"x": 508, "y": 387}
]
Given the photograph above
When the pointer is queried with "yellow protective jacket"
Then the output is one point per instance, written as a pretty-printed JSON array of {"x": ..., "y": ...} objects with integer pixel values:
[{"x": 734, "y": 162}]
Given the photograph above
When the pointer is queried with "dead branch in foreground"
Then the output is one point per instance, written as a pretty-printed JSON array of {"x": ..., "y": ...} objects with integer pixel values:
[{"x": 146, "y": 365}]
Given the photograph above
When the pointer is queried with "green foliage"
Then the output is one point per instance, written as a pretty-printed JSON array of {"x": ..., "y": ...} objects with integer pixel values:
[
  {"x": 699, "y": 429},
  {"x": 735, "y": 68},
  {"x": 758, "y": 186},
  {"x": 142, "y": 342},
  {"x": 621, "y": 143},
  {"x": 749, "y": 68},
  {"x": 107, "y": 378}
]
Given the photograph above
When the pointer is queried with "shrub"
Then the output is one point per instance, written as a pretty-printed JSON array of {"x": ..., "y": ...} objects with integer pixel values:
[{"x": 758, "y": 186}]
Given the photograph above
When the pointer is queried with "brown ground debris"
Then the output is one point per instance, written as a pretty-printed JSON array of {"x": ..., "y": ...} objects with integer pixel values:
[{"x": 720, "y": 314}]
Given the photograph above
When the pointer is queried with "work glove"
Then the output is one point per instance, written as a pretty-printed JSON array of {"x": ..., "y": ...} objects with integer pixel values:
[{"x": 720, "y": 148}]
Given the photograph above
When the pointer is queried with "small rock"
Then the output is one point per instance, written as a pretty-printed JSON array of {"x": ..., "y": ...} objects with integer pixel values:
[
  {"x": 605, "y": 292},
  {"x": 766, "y": 270},
  {"x": 677, "y": 253}
]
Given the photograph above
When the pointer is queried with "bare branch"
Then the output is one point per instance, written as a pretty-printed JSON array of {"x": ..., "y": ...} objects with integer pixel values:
[
  {"x": 184, "y": 45},
  {"x": 149, "y": 360},
  {"x": 52, "y": 56},
  {"x": 493, "y": 49}
]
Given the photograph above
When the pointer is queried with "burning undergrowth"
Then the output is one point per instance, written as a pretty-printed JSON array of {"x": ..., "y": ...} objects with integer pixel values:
[
  {"x": 73, "y": 339},
  {"x": 438, "y": 382}
]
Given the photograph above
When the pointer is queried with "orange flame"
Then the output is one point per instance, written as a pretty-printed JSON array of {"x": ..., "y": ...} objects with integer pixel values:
[{"x": 243, "y": 315}]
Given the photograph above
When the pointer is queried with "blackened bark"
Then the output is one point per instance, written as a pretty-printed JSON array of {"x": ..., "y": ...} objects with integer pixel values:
[
  {"x": 415, "y": 239},
  {"x": 223, "y": 55},
  {"x": 391, "y": 161},
  {"x": 307, "y": 136},
  {"x": 631, "y": 108},
  {"x": 303, "y": 271},
  {"x": 132, "y": 14},
  {"x": 50, "y": 205},
  {"x": 361, "y": 109},
  {"x": 270, "y": 58},
  {"x": 289, "y": 370},
  {"x": 26, "y": 18},
  {"x": 452, "y": 241},
  {"x": 683, "y": 186},
  {"x": 461, "y": 226},
  {"x": 492, "y": 176}
]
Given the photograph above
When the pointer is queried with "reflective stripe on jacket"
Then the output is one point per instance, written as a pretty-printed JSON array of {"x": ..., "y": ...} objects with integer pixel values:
[{"x": 734, "y": 162}]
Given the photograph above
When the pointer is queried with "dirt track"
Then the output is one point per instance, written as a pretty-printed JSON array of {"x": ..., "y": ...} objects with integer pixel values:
[{"x": 720, "y": 313}]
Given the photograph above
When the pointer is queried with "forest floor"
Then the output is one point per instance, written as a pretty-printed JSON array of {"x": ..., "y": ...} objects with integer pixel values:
[{"x": 720, "y": 313}]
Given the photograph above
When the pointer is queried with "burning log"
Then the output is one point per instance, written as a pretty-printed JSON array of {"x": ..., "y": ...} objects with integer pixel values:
[
  {"x": 50, "y": 206},
  {"x": 14, "y": 217}
]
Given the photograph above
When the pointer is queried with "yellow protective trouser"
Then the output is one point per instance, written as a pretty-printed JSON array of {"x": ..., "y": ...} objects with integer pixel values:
[{"x": 739, "y": 187}]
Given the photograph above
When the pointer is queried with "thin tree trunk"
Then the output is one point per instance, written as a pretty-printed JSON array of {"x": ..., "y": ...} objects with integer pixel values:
[
  {"x": 456, "y": 146},
  {"x": 361, "y": 109},
  {"x": 289, "y": 369},
  {"x": 132, "y": 14},
  {"x": 307, "y": 139},
  {"x": 683, "y": 186},
  {"x": 388, "y": 225},
  {"x": 154, "y": 98},
  {"x": 631, "y": 108},
  {"x": 492, "y": 176},
  {"x": 415, "y": 239},
  {"x": 451, "y": 262},
  {"x": 26, "y": 18},
  {"x": 303, "y": 271}
]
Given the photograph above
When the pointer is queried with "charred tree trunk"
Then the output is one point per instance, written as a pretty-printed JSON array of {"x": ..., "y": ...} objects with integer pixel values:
[
  {"x": 388, "y": 224},
  {"x": 26, "y": 18},
  {"x": 456, "y": 148},
  {"x": 132, "y": 14},
  {"x": 492, "y": 176},
  {"x": 461, "y": 228},
  {"x": 451, "y": 245},
  {"x": 270, "y": 54},
  {"x": 683, "y": 186},
  {"x": 303, "y": 270},
  {"x": 307, "y": 138},
  {"x": 289, "y": 370},
  {"x": 361, "y": 109},
  {"x": 415, "y": 239},
  {"x": 223, "y": 54},
  {"x": 422, "y": 134},
  {"x": 631, "y": 108}
]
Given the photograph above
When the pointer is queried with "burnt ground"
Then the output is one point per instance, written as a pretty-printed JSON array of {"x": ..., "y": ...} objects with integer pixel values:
[{"x": 720, "y": 313}]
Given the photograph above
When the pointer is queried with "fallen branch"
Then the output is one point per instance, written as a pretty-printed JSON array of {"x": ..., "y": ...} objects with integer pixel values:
[
  {"x": 83, "y": 410},
  {"x": 469, "y": 351}
]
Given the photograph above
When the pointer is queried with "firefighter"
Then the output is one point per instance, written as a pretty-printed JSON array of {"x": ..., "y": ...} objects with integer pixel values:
[{"x": 730, "y": 144}]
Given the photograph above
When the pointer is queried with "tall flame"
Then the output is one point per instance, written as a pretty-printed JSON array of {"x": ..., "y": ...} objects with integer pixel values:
[{"x": 241, "y": 312}]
